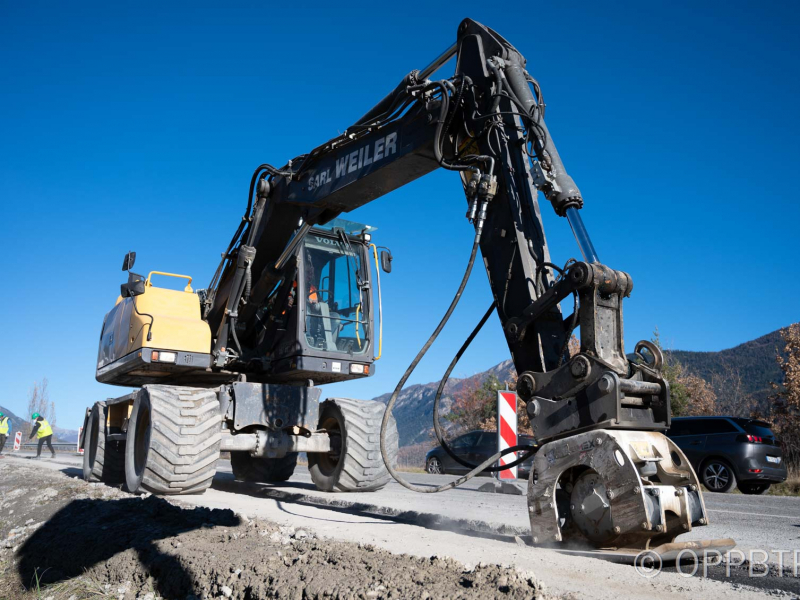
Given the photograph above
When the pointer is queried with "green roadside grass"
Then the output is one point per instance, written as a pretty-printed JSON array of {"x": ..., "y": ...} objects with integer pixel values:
[{"x": 790, "y": 487}]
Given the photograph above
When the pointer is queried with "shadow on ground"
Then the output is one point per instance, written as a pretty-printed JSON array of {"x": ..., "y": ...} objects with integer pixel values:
[
  {"x": 348, "y": 504},
  {"x": 88, "y": 532},
  {"x": 226, "y": 482}
]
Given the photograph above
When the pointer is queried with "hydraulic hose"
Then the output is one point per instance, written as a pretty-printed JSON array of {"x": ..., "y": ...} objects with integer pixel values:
[
  {"x": 388, "y": 412},
  {"x": 437, "y": 426}
]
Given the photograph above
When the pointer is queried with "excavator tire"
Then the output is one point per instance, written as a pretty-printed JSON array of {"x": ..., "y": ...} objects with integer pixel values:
[
  {"x": 173, "y": 440},
  {"x": 354, "y": 463},
  {"x": 102, "y": 460},
  {"x": 262, "y": 470}
]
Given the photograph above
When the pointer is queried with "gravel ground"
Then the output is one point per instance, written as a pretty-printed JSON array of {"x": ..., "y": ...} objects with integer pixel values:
[{"x": 65, "y": 539}]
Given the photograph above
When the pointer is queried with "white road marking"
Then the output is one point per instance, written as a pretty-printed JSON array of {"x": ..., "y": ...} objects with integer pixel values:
[{"x": 749, "y": 514}]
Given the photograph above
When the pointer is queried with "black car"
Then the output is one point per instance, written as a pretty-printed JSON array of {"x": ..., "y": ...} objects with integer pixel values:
[
  {"x": 730, "y": 451},
  {"x": 474, "y": 447}
]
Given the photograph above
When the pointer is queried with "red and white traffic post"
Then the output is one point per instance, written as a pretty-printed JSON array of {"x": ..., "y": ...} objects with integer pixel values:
[
  {"x": 17, "y": 440},
  {"x": 507, "y": 431}
]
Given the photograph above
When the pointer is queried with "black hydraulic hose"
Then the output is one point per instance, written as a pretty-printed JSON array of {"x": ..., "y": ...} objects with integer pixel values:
[
  {"x": 499, "y": 92},
  {"x": 437, "y": 139},
  {"x": 248, "y": 283},
  {"x": 437, "y": 426},
  {"x": 390, "y": 100},
  {"x": 388, "y": 412},
  {"x": 235, "y": 337},
  {"x": 257, "y": 174},
  {"x": 141, "y": 314}
]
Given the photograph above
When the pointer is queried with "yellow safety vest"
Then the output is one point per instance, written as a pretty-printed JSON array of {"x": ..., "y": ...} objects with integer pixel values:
[
  {"x": 4, "y": 426},
  {"x": 44, "y": 429}
]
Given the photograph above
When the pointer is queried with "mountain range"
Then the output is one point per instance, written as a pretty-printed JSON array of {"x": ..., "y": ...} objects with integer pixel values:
[{"x": 741, "y": 377}]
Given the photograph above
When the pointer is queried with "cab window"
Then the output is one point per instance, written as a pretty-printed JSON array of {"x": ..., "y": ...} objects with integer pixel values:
[{"x": 336, "y": 298}]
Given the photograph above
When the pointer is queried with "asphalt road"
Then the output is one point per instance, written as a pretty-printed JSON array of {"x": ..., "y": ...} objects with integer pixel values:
[{"x": 472, "y": 526}]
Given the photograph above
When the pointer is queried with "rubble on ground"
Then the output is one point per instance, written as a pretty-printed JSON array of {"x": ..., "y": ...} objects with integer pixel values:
[{"x": 76, "y": 540}]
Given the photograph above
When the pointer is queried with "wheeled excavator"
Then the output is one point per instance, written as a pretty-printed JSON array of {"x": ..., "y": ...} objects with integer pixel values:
[{"x": 236, "y": 367}]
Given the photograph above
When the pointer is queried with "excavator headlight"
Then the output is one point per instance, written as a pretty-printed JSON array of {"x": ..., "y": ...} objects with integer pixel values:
[{"x": 357, "y": 369}]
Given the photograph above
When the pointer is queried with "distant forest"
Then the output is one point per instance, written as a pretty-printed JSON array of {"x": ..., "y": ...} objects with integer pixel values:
[{"x": 754, "y": 364}]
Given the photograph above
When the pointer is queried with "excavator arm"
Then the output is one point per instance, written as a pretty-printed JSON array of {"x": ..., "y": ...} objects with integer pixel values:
[{"x": 487, "y": 123}]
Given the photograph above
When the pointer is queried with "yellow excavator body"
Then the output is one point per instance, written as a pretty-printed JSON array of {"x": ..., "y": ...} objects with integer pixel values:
[{"x": 153, "y": 333}]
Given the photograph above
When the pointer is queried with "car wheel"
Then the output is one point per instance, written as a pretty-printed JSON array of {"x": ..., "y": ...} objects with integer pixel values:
[
  {"x": 754, "y": 488},
  {"x": 718, "y": 477},
  {"x": 434, "y": 466}
]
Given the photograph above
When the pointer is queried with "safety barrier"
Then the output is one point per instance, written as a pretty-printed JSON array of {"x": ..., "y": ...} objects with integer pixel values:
[{"x": 507, "y": 431}]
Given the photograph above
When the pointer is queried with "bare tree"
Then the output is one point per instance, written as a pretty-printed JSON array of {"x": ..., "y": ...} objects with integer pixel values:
[
  {"x": 732, "y": 397},
  {"x": 39, "y": 401},
  {"x": 702, "y": 399},
  {"x": 475, "y": 404},
  {"x": 785, "y": 408}
]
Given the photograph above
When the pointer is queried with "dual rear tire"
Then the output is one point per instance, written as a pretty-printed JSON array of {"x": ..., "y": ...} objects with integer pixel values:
[
  {"x": 103, "y": 460},
  {"x": 173, "y": 440}
]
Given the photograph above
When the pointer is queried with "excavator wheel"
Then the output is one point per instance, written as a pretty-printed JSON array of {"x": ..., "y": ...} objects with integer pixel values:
[
  {"x": 102, "y": 460},
  {"x": 173, "y": 440},
  {"x": 262, "y": 470},
  {"x": 354, "y": 463}
]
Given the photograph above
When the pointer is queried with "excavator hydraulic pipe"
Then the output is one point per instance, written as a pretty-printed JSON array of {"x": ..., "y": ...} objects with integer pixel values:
[
  {"x": 439, "y": 61},
  {"x": 581, "y": 235},
  {"x": 292, "y": 246}
]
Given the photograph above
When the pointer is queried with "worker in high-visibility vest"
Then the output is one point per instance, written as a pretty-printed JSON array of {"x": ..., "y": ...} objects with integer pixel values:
[
  {"x": 5, "y": 426},
  {"x": 42, "y": 430}
]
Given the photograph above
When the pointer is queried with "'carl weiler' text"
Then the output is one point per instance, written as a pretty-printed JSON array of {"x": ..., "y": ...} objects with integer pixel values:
[{"x": 363, "y": 157}]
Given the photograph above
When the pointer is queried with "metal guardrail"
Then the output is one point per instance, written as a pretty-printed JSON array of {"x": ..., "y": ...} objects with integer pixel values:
[{"x": 58, "y": 445}]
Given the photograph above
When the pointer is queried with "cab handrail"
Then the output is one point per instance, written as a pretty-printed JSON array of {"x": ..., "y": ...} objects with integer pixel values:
[
  {"x": 188, "y": 287},
  {"x": 380, "y": 303}
]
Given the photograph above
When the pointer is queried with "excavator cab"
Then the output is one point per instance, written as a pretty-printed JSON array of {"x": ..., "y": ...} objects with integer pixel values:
[{"x": 327, "y": 312}]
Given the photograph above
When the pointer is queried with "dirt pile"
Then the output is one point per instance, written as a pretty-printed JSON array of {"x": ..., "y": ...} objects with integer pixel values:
[{"x": 87, "y": 540}]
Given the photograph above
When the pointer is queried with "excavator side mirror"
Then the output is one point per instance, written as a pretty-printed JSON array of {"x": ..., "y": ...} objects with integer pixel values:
[
  {"x": 386, "y": 261},
  {"x": 134, "y": 287},
  {"x": 130, "y": 258}
]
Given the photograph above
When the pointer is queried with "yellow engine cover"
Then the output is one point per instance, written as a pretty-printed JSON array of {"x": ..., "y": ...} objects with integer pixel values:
[{"x": 176, "y": 324}]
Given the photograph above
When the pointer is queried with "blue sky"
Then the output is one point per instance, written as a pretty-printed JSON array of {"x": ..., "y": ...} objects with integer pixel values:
[{"x": 137, "y": 126}]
